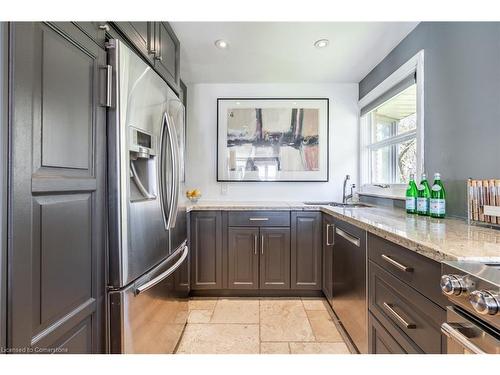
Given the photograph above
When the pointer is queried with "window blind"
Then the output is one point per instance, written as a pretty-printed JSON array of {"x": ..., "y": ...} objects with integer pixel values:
[{"x": 393, "y": 91}]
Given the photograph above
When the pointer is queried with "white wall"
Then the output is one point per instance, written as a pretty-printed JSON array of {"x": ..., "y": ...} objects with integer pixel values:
[{"x": 201, "y": 170}]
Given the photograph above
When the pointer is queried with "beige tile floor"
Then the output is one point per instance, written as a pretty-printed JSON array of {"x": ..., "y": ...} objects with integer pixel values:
[{"x": 260, "y": 325}]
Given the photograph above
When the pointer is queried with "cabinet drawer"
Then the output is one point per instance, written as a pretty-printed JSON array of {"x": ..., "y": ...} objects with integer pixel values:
[
  {"x": 259, "y": 218},
  {"x": 380, "y": 341},
  {"x": 419, "y": 272},
  {"x": 407, "y": 310}
]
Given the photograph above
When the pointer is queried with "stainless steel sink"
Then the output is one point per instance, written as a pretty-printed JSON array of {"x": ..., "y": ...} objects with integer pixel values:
[{"x": 338, "y": 204}]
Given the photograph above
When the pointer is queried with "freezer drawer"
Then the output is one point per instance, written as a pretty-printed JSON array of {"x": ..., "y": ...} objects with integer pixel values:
[{"x": 149, "y": 316}]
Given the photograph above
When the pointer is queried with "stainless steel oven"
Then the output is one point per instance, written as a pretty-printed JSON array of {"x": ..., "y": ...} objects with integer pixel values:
[{"x": 473, "y": 317}]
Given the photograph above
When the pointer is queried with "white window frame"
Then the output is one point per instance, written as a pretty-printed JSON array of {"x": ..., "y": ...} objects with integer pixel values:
[{"x": 415, "y": 64}]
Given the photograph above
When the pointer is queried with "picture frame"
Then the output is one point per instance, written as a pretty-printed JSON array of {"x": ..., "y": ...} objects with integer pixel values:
[{"x": 272, "y": 139}]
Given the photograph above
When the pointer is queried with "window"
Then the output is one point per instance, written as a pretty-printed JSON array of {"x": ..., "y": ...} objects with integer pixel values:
[
  {"x": 393, "y": 139},
  {"x": 392, "y": 128}
]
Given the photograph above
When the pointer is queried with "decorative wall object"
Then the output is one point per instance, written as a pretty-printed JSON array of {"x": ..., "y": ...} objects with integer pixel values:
[{"x": 272, "y": 139}]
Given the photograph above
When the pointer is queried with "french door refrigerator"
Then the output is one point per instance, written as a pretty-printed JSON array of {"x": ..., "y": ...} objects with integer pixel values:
[{"x": 147, "y": 304}]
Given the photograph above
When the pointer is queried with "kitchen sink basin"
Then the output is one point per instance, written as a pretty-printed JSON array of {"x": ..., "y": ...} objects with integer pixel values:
[{"x": 338, "y": 204}]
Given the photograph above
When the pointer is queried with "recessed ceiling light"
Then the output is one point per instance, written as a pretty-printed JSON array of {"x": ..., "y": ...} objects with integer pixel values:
[
  {"x": 321, "y": 43},
  {"x": 222, "y": 44}
]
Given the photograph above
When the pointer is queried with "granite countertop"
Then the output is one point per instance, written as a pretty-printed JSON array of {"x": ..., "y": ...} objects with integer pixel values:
[{"x": 438, "y": 239}]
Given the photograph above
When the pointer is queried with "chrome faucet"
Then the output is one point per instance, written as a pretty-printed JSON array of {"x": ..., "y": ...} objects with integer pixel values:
[{"x": 345, "y": 197}]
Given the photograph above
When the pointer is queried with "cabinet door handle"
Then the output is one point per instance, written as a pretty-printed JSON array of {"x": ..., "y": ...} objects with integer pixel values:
[
  {"x": 349, "y": 237},
  {"x": 258, "y": 219},
  {"x": 398, "y": 265},
  {"x": 328, "y": 235},
  {"x": 255, "y": 244},
  {"x": 398, "y": 317},
  {"x": 262, "y": 244}
]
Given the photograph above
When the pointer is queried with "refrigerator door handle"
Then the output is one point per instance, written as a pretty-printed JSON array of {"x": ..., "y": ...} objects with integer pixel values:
[
  {"x": 151, "y": 283},
  {"x": 162, "y": 171},
  {"x": 174, "y": 150}
]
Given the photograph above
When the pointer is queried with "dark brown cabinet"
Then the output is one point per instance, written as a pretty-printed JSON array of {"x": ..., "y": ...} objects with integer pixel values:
[
  {"x": 306, "y": 250},
  {"x": 157, "y": 42},
  {"x": 404, "y": 299},
  {"x": 327, "y": 244},
  {"x": 206, "y": 250},
  {"x": 380, "y": 341},
  {"x": 167, "y": 53},
  {"x": 57, "y": 189},
  {"x": 258, "y": 258},
  {"x": 141, "y": 35},
  {"x": 275, "y": 258},
  {"x": 243, "y": 258}
]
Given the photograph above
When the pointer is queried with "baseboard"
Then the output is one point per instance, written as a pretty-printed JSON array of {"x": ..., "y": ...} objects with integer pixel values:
[{"x": 255, "y": 293}]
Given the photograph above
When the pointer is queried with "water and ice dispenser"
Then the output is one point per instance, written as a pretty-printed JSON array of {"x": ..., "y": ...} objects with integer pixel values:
[{"x": 143, "y": 155}]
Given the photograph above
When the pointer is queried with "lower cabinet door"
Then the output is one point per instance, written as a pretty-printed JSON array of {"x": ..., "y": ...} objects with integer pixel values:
[
  {"x": 275, "y": 258},
  {"x": 206, "y": 250},
  {"x": 328, "y": 237},
  {"x": 380, "y": 340},
  {"x": 306, "y": 250},
  {"x": 243, "y": 258}
]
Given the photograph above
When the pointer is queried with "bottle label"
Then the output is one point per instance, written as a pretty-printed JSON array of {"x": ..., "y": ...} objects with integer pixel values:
[
  {"x": 438, "y": 206},
  {"x": 410, "y": 203},
  {"x": 436, "y": 188},
  {"x": 422, "y": 204}
]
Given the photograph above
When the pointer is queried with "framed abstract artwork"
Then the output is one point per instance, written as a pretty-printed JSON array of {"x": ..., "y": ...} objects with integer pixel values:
[{"x": 272, "y": 139}]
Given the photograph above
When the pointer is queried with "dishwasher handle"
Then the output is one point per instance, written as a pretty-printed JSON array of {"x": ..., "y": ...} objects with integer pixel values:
[{"x": 349, "y": 237}]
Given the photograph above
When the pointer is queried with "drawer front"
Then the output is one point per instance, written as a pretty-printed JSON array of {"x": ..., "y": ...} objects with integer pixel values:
[
  {"x": 380, "y": 341},
  {"x": 419, "y": 272},
  {"x": 259, "y": 219},
  {"x": 407, "y": 310}
]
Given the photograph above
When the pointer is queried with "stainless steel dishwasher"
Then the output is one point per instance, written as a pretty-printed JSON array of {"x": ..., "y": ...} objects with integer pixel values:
[{"x": 349, "y": 282}]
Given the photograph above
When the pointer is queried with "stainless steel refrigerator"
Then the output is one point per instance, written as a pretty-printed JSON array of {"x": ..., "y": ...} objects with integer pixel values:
[{"x": 147, "y": 302}]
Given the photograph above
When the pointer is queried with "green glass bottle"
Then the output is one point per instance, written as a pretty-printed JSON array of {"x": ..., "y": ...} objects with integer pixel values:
[
  {"x": 424, "y": 196},
  {"x": 438, "y": 198},
  {"x": 411, "y": 196}
]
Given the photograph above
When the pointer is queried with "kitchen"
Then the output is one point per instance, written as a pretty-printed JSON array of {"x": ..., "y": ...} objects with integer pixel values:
[{"x": 174, "y": 187}]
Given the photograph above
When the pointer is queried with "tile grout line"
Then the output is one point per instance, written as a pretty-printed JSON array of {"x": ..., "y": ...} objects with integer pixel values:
[{"x": 309, "y": 320}]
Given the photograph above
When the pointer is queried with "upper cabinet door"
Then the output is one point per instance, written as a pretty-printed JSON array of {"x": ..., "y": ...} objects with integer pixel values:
[
  {"x": 306, "y": 250},
  {"x": 141, "y": 35},
  {"x": 57, "y": 189},
  {"x": 167, "y": 54},
  {"x": 95, "y": 30}
]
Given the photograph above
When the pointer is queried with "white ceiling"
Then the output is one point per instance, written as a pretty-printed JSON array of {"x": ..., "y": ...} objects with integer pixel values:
[{"x": 262, "y": 52}]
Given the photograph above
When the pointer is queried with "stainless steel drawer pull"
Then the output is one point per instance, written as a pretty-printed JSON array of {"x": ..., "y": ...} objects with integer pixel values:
[
  {"x": 262, "y": 244},
  {"x": 255, "y": 245},
  {"x": 258, "y": 219},
  {"x": 402, "y": 267},
  {"x": 349, "y": 237},
  {"x": 398, "y": 317}
]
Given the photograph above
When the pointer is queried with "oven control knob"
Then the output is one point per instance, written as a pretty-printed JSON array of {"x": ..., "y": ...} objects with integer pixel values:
[
  {"x": 453, "y": 285},
  {"x": 485, "y": 302}
]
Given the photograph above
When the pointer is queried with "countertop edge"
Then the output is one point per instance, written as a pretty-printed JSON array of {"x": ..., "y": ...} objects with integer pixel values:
[{"x": 418, "y": 247}]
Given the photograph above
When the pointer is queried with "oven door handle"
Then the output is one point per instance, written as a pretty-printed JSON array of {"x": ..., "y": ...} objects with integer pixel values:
[{"x": 460, "y": 338}]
